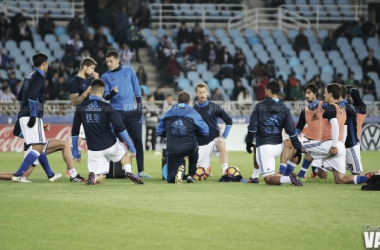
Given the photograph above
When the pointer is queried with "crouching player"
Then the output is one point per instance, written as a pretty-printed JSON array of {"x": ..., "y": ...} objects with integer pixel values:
[
  {"x": 103, "y": 146},
  {"x": 267, "y": 120}
]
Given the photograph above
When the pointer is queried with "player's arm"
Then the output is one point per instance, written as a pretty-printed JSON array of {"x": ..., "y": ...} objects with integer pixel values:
[
  {"x": 108, "y": 94},
  {"x": 227, "y": 119},
  {"x": 136, "y": 90},
  {"x": 203, "y": 129},
  {"x": 119, "y": 128},
  {"x": 358, "y": 102},
  {"x": 17, "y": 130},
  {"x": 79, "y": 99},
  {"x": 19, "y": 95},
  {"x": 38, "y": 84},
  {"x": 301, "y": 122},
  {"x": 160, "y": 130},
  {"x": 75, "y": 132},
  {"x": 330, "y": 115},
  {"x": 290, "y": 130}
]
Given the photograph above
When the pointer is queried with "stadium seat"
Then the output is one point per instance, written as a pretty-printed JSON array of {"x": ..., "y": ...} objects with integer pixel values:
[
  {"x": 220, "y": 33},
  {"x": 322, "y": 34},
  {"x": 278, "y": 33},
  {"x": 59, "y": 31},
  {"x": 146, "y": 32},
  {"x": 25, "y": 45},
  {"x": 263, "y": 33},
  {"x": 234, "y": 33},
  {"x": 368, "y": 98},
  {"x": 207, "y": 75},
  {"x": 228, "y": 84},
  {"x": 213, "y": 83},
  {"x": 248, "y": 33},
  {"x": 183, "y": 83},
  {"x": 327, "y": 69},
  {"x": 327, "y": 77},
  {"x": 192, "y": 75},
  {"x": 292, "y": 34},
  {"x": 201, "y": 67},
  {"x": 293, "y": 61},
  {"x": 10, "y": 45},
  {"x": 173, "y": 33},
  {"x": 161, "y": 32},
  {"x": 50, "y": 38},
  {"x": 253, "y": 40}
]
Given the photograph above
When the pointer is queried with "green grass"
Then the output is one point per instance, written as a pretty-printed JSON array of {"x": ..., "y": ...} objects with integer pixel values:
[{"x": 204, "y": 215}]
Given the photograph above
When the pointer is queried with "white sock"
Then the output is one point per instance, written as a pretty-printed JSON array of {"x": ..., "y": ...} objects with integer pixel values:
[
  {"x": 356, "y": 179},
  {"x": 256, "y": 173},
  {"x": 73, "y": 173},
  {"x": 285, "y": 179},
  {"x": 224, "y": 167},
  {"x": 127, "y": 168}
]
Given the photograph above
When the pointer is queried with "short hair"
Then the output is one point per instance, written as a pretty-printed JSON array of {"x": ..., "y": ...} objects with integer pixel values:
[
  {"x": 88, "y": 61},
  {"x": 312, "y": 87},
  {"x": 334, "y": 89},
  {"x": 169, "y": 95},
  {"x": 344, "y": 91},
  {"x": 183, "y": 97},
  {"x": 97, "y": 84},
  {"x": 274, "y": 87},
  {"x": 113, "y": 53},
  {"x": 201, "y": 85},
  {"x": 349, "y": 87},
  {"x": 39, "y": 59}
]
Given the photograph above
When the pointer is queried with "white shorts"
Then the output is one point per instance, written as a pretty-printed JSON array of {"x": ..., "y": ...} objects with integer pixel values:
[
  {"x": 205, "y": 152},
  {"x": 317, "y": 163},
  {"x": 320, "y": 150},
  {"x": 98, "y": 161},
  {"x": 35, "y": 135},
  {"x": 265, "y": 157},
  {"x": 36, "y": 162},
  {"x": 353, "y": 159},
  {"x": 81, "y": 132}
]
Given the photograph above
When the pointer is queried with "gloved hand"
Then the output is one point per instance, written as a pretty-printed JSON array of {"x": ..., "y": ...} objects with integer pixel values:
[
  {"x": 32, "y": 121},
  {"x": 298, "y": 154},
  {"x": 76, "y": 154},
  {"x": 249, "y": 146}
]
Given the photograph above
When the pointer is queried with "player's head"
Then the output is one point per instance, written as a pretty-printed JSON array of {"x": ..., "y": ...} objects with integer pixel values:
[
  {"x": 112, "y": 59},
  {"x": 311, "y": 92},
  {"x": 349, "y": 98},
  {"x": 332, "y": 92},
  {"x": 97, "y": 87},
  {"x": 343, "y": 93},
  {"x": 88, "y": 66},
  {"x": 183, "y": 97},
  {"x": 272, "y": 88},
  {"x": 202, "y": 92},
  {"x": 40, "y": 61}
]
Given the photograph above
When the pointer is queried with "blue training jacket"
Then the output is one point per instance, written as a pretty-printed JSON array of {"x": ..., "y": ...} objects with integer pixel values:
[
  {"x": 128, "y": 86},
  {"x": 181, "y": 124}
]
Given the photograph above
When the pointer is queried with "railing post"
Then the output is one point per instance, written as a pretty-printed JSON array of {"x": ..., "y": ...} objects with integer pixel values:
[
  {"x": 160, "y": 18},
  {"x": 279, "y": 18},
  {"x": 257, "y": 20},
  {"x": 203, "y": 16},
  {"x": 317, "y": 17},
  {"x": 37, "y": 13},
  {"x": 245, "y": 16}
]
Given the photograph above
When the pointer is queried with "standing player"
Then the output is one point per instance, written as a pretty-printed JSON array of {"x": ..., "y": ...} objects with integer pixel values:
[
  {"x": 330, "y": 148},
  {"x": 180, "y": 125},
  {"x": 214, "y": 142},
  {"x": 268, "y": 119},
  {"x": 123, "y": 89},
  {"x": 31, "y": 113},
  {"x": 103, "y": 146}
]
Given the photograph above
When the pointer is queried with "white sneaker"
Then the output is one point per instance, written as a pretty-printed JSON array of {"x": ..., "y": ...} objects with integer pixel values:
[
  {"x": 20, "y": 179},
  {"x": 179, "y": 175},
  {"x": 55, "y": 177}
]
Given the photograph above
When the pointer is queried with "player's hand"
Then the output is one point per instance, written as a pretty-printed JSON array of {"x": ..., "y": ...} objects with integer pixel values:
[
  {"x": 32, "y": 121},
  {"x": 46, "y": 126},
  {"x": 333, "y": 151},
  {"x": 95, "y": 75},
  {"x": 133, "y": 155},
  {"x": 88, "y": 90},
  {"x": 218, "y": 138},
  {"x": 114, "y": 89},
  {"x": 249, "y": 146},
  {"x": 76, "y": 154},
  {"x": 298, "y": 154}
]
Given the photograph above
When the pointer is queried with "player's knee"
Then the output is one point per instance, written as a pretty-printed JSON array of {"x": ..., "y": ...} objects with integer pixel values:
[
  {"x": 220, "y": 145},
  {"x": 66, "y": 144},
  {"x": 287, "y": 143}
]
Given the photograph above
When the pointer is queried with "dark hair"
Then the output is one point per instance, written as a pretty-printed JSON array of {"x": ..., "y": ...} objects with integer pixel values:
[
  {"x": 97, "y": 84},
  {"x": 349, "y": 87},
  {"x": 169, "y": 95},
  {"x": 312, "y": 87},
  {"x": 339, "y": 75},
  {"x": 38, "y": 59},
  {"x": 88, "y": 61},
  {"x": 334, "y": 89},
  {"x": 113, "y": 53},
  {"x": 183, "y": 97},
  {"x": 344, "y": 91},
  {"x": 274, "y": 87}
]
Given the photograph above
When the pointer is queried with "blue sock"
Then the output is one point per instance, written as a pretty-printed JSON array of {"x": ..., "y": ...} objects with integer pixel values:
[
  {"x": 282, "y": 168},
  {"x": 289, "y": 168},
  {"x": 360, "y": 179},
  {"x": 315, "y": 170},
  {"x": 28, "y": 160},
  {"x": 45, "y": 165},
  {"x": 305, "y": 166}
]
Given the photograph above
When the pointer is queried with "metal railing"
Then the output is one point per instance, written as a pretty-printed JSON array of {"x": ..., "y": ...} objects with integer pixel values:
[
  {"x": 268, "y": 18},
  {"x": 201, "y": 13},
  {"x": 36, "y": 9}
]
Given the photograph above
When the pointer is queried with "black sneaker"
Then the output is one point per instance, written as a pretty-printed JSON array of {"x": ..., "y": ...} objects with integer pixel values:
[
  {"x": 78, "y": 178},
  {"x": 253, "y": 180},
  {"x": 134, "y": 178},
  {"x": 190, "y": 179},
  {"x": 295, "y": 181},
  {"x": 91, "y": 179}
]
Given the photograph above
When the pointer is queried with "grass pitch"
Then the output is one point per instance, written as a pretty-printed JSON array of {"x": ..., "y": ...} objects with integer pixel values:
[{"x": 206, "y": 215}]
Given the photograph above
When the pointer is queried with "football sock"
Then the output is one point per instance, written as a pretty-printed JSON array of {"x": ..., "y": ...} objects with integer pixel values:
[
  {"x": 127, "y": 168},
  {"x": 256, "y": 173},
  {"x": 285, "y": 179},
  {"x": 282, "y": 168},
  {"x": 358, "y": 179},
  {"x": 305, "y": 166},
  {"x": 73, "y": 173},
  {"x": 289, "y": 168},
  {"x": 315, "y": 170},
  {"x": 224, "y": 167},
  {"x": 28, "y": 160},
  {"x": 45, "y": 165}
]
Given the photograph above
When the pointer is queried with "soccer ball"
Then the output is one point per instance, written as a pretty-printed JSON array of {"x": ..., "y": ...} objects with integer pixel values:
[
  {"x": 232, "y": 171},
  {"x": 201, "y": 174}
]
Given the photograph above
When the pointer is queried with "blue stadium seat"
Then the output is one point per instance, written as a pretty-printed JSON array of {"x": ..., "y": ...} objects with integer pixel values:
[
  {"x": 213, "y": 83},
  {"x": 50, "y": 38},
  {"x": 146, "y": 32},
  {"x": 40, "y": 45},
  {"x": 59, "y": 31},
  {"x": 192, "y": 75},
  {"x": 3, "y": 73},
  {"x": 368, "y": 98},
  {"x": 322, "y": 34},
  {"x": 263, "y": 33},
  {"x": 228, "y": 85},
  {"x": 10, "y": 45},
  {"x": 207, "y": 75},
  {"x": 278, "y": 33},
  {"x": 252, "y": 61},
  {"x": 248, "y": 33},
  {"x": 356, "y": 41},
  {"x": 333, "y": 54},
  {"x": 328, "y": 69},
  {"x": 25, "y": 45},
  {"x": 174, "y": 32},
  {"x": 201, "y": 67},
  {"x": 106, "y": 31},
  {"x": 160, "y": 32},
  {"x": 304, "y": 55},
  {"x": 145, "y": 89},
  {"x": 36, "y": 37},
  {"x": 293, "y": 61},
  {"x": 234, "y": 33},
  {"x": 59, "y": 53},
  {"x": 292, "y": 34},
  {"x": 183, "y": 83},
  {"x": 220, "y": 33},
  {"x": 327, "y": 77},
  {"x": 253, "y": 40}
]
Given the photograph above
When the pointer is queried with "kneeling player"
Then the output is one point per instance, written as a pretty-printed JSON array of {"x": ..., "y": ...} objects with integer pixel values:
[{"x": 103, "y": 146}]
